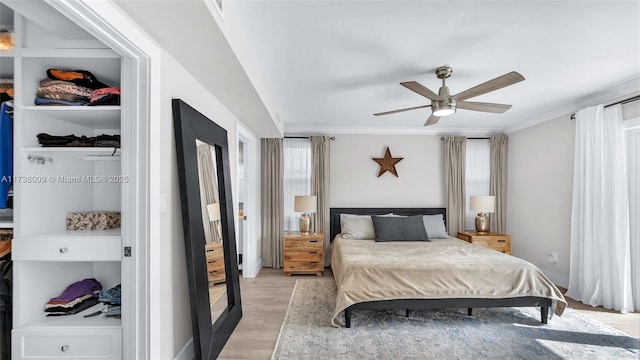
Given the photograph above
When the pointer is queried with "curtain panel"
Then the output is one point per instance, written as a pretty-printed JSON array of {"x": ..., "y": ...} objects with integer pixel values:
[
  {"x": 454, "y": 176},
  {"x": 498, "y": 182},
  {"x": 297, "y": 167},
  {"x": 633, "y": 171},
  {"x": 272, "y": 202},
  {"x": 600, "y": 269},
  {"x": 320, "y": 155},
  {"x": 477, "y": 173},
  {"x": 208, "y": 190}
]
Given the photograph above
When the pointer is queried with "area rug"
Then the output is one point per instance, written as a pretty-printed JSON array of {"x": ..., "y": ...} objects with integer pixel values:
[{"x": 499, "y": 333}]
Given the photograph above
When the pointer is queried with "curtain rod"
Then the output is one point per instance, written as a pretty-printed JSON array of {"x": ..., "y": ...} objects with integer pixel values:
[
  {"x": 306, "y": 137},
  {"x": 625, "y": 101},
  {"x": 474, "y": 138}
]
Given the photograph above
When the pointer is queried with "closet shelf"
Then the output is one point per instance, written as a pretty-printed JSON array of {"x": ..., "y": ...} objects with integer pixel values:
[
  {"x": 66, "y": 234},
  {"x": 95, "y": 117},
  {"x": 85, "y": 153},
  {"x": 43, "y": 54},
  {"x": 75, "y": 320}
]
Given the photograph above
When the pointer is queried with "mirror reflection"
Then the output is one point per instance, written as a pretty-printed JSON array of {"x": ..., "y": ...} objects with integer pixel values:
[{"x": 211, "y": 220}]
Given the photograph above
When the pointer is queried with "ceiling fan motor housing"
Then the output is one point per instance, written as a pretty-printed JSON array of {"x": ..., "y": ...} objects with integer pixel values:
[{"x": 446, "y": 106}]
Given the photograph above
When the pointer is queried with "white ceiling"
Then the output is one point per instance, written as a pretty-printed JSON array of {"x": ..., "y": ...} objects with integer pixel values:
[{"x": 329, "y": 65}]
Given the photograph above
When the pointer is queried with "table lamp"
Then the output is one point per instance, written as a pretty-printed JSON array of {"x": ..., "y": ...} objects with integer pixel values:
[
  {"x": 483, "y": 205},
  {"x": 305, "y": 204}
]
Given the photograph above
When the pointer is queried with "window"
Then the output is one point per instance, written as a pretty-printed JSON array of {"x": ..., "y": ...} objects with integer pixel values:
[
  {"x": 478, "y": 167},
  {"x": 297, "y": 177}
]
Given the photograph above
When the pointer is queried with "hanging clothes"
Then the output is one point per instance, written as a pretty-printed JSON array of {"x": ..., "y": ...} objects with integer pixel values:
[{"x": 6, "y": 151}]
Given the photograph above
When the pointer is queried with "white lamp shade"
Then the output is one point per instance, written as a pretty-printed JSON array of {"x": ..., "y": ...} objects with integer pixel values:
[
  {"x": 214, "y": 211},
  {"x": 305, "y": 204},
  {"x": 482, "y": 203}
]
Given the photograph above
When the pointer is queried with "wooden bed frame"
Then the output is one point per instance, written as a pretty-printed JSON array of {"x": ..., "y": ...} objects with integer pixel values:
[{"x": 415, "y": 304}]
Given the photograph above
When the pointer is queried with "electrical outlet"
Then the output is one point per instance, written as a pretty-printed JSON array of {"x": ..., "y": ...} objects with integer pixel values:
[{"x": 553, "y": 257}]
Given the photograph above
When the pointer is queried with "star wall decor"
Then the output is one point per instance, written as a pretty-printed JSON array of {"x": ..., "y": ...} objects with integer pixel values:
[{"x": 387, "y": 163}]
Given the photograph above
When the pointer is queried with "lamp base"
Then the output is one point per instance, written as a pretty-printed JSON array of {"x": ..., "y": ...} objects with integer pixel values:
[
  {"x": 305, "y": 224},
  {"x": 482, "y": 223}
]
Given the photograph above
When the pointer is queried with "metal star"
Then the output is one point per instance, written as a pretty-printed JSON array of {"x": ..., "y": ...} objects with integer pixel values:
[{"x": 387, "y": 163}]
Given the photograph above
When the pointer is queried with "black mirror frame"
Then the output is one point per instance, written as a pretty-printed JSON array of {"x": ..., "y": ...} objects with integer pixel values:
[{"x": 209, "y": 336}]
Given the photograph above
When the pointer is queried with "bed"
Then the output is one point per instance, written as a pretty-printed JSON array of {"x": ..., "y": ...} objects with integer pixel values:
[{"x": 437, "y": 274}]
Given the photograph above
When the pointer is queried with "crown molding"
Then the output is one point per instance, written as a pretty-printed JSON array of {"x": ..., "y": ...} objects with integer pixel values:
[{"x": 612, "y": 94}]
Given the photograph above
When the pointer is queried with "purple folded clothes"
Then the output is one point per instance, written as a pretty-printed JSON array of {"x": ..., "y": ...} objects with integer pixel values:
[{"x": 76, "y": 290}]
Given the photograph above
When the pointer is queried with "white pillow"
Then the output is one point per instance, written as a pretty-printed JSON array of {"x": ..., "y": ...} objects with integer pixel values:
[
  {"x": 434, "y": 224},
  {"x": 357, "y": 227}
]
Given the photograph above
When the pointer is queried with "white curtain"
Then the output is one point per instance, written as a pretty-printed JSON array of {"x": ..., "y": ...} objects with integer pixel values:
[
  {"x": 600, "y": 269},
  {"x": 297, "y": 178},
  {"x": 477, "y": 174},
  {"x": 633, "y": 163}
]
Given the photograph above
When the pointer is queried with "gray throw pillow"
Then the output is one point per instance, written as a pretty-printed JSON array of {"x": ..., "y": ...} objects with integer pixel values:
[
  {"x": 406, "y": 228},
  {"x": 434, "y": 224}
]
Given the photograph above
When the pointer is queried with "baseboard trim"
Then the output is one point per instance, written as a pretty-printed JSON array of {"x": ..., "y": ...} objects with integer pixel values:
[
  {"x": 257, "y": 267},
  {"x": 187, "y": 352}
]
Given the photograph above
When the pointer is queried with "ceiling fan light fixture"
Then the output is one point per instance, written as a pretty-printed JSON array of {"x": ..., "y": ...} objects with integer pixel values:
[
  {"x": 440, "y": 108},
  {"x": 444, "y": 112}
]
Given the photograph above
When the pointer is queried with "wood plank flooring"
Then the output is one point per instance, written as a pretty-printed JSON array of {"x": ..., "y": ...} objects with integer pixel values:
[{"x": 265, "y": 300}]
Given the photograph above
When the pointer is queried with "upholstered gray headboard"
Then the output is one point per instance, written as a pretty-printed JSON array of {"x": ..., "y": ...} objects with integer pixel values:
[{"x": 334, "y": 214}]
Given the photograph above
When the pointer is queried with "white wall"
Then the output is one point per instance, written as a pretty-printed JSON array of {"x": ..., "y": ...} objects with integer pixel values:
[
  {"x": 354, "y": 175},
  {"x": 539, "y": 196},
  {"x": 176, "y": 82}
]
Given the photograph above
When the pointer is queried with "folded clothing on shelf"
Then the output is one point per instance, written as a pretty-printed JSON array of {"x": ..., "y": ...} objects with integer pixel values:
[
  {"x": 63, "y": 90},
  {"x": 77, "y": 297},
  {"x": 75, "y": 88},
  {"x": 79, "y": 141},
  {"x": 111, "y": 296},
  {"x": 78, "y": 289},
  {"x": 105, "y": 96},
  {"x": 78, "y": 77},
  {"x": 80, "y": 306}
]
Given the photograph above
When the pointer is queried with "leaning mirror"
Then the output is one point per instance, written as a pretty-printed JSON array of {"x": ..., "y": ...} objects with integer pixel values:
[{"x": 207, "y": 216}]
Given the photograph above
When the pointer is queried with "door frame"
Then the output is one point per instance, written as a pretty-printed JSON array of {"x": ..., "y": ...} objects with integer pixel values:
[
  {"x": 251, "y": 259},
  {"x": 140, "y": 103}
]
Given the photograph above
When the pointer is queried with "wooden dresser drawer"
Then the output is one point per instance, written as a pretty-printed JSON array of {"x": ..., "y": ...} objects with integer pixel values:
[
  {"x": 303, "y": 244},
  {"x": 304, "y": 266},
  {"x": 215, "y": 262},
  {"x": 55, "y": 343},
  {"x": 308, "y": 255},
  {"x": 493, "y": 241},
  {"x": 303, "y": 254}
]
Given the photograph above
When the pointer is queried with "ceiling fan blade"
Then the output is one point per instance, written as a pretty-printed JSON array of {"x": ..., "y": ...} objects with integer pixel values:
[
  {"x": 401, "y": 110},
  {"x": 489, "y": 86},
  {"x": 432, "y": 120},
  {"x": 421, "y": 90},
  {"x": 483, "y": 106}
]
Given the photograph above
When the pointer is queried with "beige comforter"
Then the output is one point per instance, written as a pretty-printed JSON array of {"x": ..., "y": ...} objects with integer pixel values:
[{"x": 366, "y": 270}]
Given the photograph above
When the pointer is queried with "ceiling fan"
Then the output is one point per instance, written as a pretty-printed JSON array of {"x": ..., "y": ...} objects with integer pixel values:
[{"x": 443, "y": 104}]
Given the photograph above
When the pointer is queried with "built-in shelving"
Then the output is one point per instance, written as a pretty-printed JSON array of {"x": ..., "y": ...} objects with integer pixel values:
[
  {"x": 85, "y": 153},
  {"x": 47, "y": 257}
]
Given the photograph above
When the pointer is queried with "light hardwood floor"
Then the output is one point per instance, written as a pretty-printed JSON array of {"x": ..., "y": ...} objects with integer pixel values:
[{"x": 265, "y": 300}]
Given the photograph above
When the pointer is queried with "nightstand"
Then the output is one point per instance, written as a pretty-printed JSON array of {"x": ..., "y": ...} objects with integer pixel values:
[
  {"x": 491, "y": 240},
  {"x": 215, "y": 262},
  {"x": 303, "y": 254}
]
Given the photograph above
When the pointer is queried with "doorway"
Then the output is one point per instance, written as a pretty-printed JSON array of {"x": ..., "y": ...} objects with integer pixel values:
[{"x": 247, "y": 245}]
